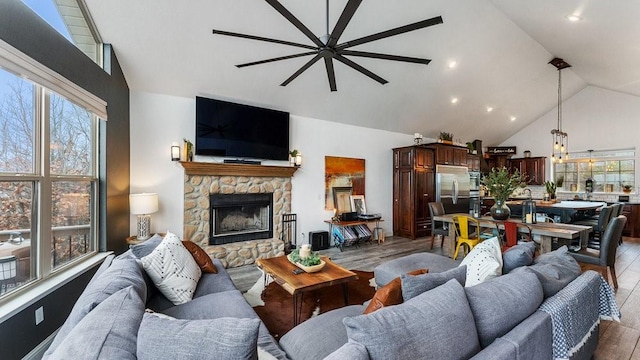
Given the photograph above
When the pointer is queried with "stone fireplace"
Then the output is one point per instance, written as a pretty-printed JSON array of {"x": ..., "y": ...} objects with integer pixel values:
[{"x": 203, "y": 183}]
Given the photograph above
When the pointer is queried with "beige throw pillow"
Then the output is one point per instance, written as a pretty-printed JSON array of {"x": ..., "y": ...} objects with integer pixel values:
[{"x": 173, "y": 270}]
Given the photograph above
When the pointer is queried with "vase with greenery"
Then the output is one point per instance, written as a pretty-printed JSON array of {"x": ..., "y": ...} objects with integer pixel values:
[
  {"x": 501, "y": 184},
  {"x": 627, "y": 188},
  {"x": 550, "y": 187}
]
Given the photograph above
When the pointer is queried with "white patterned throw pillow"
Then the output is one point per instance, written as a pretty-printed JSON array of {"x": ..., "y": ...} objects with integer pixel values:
[
  {"x": 173, "y": 270},
  {"x": 483, "y": 262}
]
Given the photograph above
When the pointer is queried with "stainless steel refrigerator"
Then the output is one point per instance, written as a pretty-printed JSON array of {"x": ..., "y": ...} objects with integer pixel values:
[{"x": 453, "y": 188}]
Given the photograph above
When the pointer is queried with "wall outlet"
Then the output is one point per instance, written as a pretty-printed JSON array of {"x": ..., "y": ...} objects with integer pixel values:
[{"x": 39, "y": 315}]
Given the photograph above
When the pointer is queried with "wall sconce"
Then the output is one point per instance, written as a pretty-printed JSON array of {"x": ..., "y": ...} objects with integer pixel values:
[
  {"x": 143, "y": 205},
  {"x": 175, "y": 152}
]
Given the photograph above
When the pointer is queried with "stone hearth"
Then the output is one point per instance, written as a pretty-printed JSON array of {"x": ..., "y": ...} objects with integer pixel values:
[{"x": 203, "y": 179}]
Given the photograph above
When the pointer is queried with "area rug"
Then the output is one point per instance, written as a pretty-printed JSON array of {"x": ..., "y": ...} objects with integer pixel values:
[{"x": 277, "y": 311}]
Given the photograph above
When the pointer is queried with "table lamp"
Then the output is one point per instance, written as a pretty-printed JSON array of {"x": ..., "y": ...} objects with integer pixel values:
[{"x": 143, "y": 205}]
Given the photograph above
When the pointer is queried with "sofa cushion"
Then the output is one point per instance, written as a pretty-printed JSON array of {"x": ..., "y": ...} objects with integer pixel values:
[
  {"x": 327, "y": 331},
  {"x": 200, "y": 256},
  {"x": 391, "y": 269},
  {"x": 555, "y": 270},
  {"x": 390, "y": 294},
  {"x": 500, "y": 304},
  {"x": 517, "y": 256},
  {"x": 107, "y": 332},
  {"x": 222, "y": 338},
  {"x": 483, "y": 262},
  {"x": 413, "y": 286},
  {"x": 121, "y": 274},
  {"x": 351, "y": 350},
  {"x": 145, "y": 248},
  {"x": 173, "y": 270},
  {"x": 437, "y": 324}
]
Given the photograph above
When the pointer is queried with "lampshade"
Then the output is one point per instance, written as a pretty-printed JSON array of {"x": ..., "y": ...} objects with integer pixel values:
[{"x": 145, "y": 203}]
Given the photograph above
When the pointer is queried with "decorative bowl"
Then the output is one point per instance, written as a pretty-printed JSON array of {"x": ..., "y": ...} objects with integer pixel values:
[{"x": 309, "y": 269}]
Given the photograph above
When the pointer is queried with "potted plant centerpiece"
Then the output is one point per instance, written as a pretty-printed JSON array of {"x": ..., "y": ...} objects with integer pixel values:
[
  {"x": 627, "y": 188},
  {"x": 551, "y": 187},
  {"x": 501, "y": 184}
]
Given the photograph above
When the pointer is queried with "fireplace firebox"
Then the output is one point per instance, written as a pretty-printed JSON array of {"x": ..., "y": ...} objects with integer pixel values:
[{"x": 240, "y": 217}]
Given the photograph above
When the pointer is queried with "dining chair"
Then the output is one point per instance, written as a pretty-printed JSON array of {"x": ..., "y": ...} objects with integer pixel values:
[
  {"x": 605, "y": 258},
  {"x": 599, "y": 226},
  {"x": 466, "y": 238},
  {"x": 8, "y": 271},
  {"x": 437, "y": 227}
]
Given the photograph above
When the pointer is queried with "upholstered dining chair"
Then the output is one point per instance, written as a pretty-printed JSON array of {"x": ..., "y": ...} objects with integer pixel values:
[
  {"x": 598, "y": 225},
  {"x": 466, "y": 237},
  {"x": 8, "y": 271},
  {"x": 605, "y": 258},
  {"x": 438, "y": 228}
]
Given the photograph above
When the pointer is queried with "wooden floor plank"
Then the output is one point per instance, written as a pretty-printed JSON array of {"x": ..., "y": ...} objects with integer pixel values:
[{"x": 617, "y": 343}]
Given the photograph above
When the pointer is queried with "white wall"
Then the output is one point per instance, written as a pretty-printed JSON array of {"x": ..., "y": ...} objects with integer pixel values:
[
  {"x": 159, "y": 120},
  {"x": 594, "y": 118}
]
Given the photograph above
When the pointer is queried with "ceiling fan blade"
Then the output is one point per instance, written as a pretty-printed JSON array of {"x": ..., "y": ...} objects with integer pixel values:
[
  {"x": 397, "y": 31},
  {"x": 328, "y": 63},
  {"x": 301, "y": 70},
  {"x": 343, "y": 21},
  {"x": 359, "y": 68},
  {"x": 260, "y": 38},
  {"x": 276, "y": 59},
  {"x": 297, "y": 23},
  {"x": 385, "y": 56}
]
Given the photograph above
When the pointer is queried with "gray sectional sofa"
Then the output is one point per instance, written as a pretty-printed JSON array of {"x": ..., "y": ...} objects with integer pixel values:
[
  {"x": 520, "y": 315},
  {"x": 109, "y": 319}
]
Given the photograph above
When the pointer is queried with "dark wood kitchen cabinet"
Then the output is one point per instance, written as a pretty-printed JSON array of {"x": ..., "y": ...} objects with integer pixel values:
[
  {"x": 449, "y": 154},
  {"x": 413, "y": 189},
  {"x": 473, "y": 162},
  {"x": 533, "y": 168}
]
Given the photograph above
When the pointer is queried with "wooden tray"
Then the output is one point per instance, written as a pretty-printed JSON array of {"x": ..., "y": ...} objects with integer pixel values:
[{"x": 309, "y": 269}]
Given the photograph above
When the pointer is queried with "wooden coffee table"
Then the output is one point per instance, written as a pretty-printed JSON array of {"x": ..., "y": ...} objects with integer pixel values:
[{"x": 281, "y": 270}]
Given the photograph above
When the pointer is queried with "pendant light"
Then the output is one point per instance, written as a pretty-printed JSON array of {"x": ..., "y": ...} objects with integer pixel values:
[{"x": 560, "y": 138}]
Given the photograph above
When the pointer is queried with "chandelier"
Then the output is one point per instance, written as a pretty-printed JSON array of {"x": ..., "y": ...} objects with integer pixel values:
[{"x": 560, "y": 138}]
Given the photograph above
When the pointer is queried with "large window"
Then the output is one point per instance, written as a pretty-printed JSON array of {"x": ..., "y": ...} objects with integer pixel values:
[
  {"x": 48, "y": 182},
  {"x": 610, "y": 171}
]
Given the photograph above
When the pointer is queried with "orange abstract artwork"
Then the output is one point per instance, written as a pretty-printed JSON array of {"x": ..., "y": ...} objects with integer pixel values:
[{"x": 342, "y": 174}]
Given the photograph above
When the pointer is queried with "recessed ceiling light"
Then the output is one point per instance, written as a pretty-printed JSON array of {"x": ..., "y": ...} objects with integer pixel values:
[
  {"x": 489, "y": 109},
  {"x": 574, "y": 18},
  {"x": 512, "y": 118},
  {"x": 452, "y": 64},
  {"x": 454, "y": 100}
]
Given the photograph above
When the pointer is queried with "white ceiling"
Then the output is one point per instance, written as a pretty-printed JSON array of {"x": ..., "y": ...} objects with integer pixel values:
[{"x": 501, "y": 47}]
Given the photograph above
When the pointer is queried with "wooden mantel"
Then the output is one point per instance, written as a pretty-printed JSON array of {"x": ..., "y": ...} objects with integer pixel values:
[{"x": 222, "y": 169}]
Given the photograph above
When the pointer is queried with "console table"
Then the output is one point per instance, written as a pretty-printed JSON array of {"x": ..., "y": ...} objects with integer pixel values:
[{"x": 348, "y": 233}]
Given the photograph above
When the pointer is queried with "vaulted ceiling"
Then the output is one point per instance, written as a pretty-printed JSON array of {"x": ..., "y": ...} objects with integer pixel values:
[{"x": 501, "y": 49}]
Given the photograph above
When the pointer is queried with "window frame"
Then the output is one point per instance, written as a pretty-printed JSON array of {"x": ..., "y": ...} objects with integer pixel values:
[
  {"x": 46, "y": 82},
  {"x": 602, "y": 156}
]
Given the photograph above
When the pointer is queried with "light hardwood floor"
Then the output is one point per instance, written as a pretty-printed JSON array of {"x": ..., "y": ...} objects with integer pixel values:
[{"x": 617, "y": 340}]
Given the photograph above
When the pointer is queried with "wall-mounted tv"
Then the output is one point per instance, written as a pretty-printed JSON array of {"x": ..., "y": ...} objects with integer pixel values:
[{"x": 240, "y": 131}]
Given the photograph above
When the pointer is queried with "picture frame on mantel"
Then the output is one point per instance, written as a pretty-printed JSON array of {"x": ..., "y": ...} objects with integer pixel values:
[
  {"x": 342, "y": 199},
  {"x": 357, "y": 204}
]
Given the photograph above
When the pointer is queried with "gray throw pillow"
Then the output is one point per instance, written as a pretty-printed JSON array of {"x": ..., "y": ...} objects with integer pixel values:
[
  {"x": 144, "y": 249},
  {"x": 121, "y": 273},
  {"x": 519, "y": 255},
  {"x": 108, "y": 332},
  {"x": 555, "y": 270},
  {"x": 499, "y": 304},
  {"x": 222, "y": 338},
  {"x": 414, "y": 285},
  {"x": 437, "y": 324},
  {"x": 351, "y": 350}
]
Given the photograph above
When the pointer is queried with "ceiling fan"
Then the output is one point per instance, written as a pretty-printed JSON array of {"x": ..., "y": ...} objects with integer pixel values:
[{"x": 327, "y": 47}]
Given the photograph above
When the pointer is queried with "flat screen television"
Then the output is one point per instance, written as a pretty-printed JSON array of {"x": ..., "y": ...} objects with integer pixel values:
[{"x": 240, "y": 131}]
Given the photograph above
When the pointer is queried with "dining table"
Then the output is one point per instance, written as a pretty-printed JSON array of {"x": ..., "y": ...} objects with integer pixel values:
[
  {"x": 545, "y": 232},
  {"x": 7, "y": 248}
]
